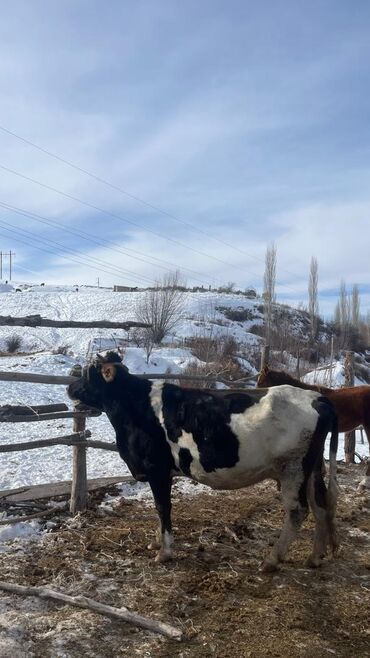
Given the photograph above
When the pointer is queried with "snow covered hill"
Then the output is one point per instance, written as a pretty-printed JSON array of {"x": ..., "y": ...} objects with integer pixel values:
[{"x": 64, "y": 303}]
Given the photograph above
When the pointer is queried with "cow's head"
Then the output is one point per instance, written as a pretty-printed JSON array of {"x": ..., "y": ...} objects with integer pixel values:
[{"x": 94, "y": 386}]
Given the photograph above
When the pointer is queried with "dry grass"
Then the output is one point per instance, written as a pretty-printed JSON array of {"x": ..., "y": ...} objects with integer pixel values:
[{"x": 212, "y": 590}]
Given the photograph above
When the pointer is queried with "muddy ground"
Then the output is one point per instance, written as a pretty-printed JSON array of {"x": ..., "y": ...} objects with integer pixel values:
[{"x": 212, "y": 590}]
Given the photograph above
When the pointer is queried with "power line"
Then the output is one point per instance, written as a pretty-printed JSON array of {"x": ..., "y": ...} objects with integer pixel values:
[
  {"x": 118, "y": 217},
  {"x": 101, "y": 241},
  {"x": 136, "y": 198},
  {"x": 123, "y": 219},
  {"x": 84, "y": 260}
]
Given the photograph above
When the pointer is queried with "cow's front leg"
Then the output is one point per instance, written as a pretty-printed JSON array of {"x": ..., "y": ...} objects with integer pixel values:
[{"x": 161, "y": 488}]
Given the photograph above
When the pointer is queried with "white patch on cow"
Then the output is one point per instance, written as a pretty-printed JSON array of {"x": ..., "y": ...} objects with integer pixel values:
[
  {"x": 185, "y": 440},
  {"x": 167, "y": 541},
  {"x": 156, "y": 400}
]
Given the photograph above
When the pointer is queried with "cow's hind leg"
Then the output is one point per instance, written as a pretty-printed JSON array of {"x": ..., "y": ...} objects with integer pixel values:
[
  {"x": 294, "y": 496},
  {"x": 161, "y": 488},
  {"x": 317, "y": 496},
  {"x": 323, "y": 505}
]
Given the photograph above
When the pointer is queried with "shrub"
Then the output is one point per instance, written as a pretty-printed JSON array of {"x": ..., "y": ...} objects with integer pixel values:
[
  {"x": 239, "y": 314},
  {"x": 195, "y": 369},
  {"x": 203, "y": 347},
  {"x": 62, "y": 349},
  {"x": 13, "y": 343}
]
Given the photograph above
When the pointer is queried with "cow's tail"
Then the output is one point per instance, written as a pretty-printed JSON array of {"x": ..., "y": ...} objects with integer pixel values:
[{"x": 332, "y": 494}]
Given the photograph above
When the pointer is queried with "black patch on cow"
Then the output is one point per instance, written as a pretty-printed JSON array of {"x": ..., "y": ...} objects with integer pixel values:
[
  {"x": 206, "y": 415},
  {"x": 185, "y": 459},
  {"x": 237, "y": 403}
]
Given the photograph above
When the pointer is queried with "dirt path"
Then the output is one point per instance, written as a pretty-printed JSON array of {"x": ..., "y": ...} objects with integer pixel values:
[{"x": 212, "y": 590}]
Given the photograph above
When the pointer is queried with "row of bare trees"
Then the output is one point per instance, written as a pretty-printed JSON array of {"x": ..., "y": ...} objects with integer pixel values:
[{"x": 349, "y": 329}]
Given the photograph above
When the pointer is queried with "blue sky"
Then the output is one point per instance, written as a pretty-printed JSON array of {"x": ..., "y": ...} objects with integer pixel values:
[{"x": 248, "y": 123}]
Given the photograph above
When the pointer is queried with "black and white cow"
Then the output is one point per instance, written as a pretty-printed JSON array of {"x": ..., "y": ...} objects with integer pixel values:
[{"x": 225, "y": 439}]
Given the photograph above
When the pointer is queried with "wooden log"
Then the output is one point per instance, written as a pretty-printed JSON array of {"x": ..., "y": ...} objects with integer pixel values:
[
  {"x": 38, "y": 321},
  {"x": 120, "y": 614},
  {"x": 53, "y": 416},
  {"x": 78, "y": 501}
]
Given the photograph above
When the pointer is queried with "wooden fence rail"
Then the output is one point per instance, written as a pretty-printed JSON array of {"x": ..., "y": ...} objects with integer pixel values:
[
  {"x": 38, "y": 321},
  {"x": 69, "y": 440},
  {"x": 36, "y": 378},
  {"x": 28, "y": 418}
]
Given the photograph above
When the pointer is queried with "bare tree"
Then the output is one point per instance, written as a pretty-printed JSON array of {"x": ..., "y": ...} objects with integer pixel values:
[
  {"x": 344, "y": 306},
  {"x": 162, "y": 307},
  {"x": 313, "y": 305},
  {"x": 355, "y": 306},
  {"x": 342, "y": 316},
  {"x": 269, "y": 280}
]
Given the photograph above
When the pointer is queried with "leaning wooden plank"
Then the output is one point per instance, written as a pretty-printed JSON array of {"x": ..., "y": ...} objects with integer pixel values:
[
  {"x": 12, "y": 492},
  {"x": 120, "y": 614},
  {"x": 38, "y": 321},
  {"x": 54, "y": 489},
  {"x": 10, "y": 418}
]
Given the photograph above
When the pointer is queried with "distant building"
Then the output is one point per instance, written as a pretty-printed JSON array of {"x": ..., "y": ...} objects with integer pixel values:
[{"x": 124, "y": 289}]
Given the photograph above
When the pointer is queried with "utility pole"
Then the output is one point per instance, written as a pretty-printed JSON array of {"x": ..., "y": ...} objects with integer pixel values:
[
  {"x": 4, "y": 255},
  {"x": 10, "y": 264}
]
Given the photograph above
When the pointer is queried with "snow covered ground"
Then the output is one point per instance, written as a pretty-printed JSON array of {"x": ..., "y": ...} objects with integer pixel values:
[{"x": 54, "y": 463}]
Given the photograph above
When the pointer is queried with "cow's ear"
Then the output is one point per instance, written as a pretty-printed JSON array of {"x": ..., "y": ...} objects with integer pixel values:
[{"x": 108, "y": 371}]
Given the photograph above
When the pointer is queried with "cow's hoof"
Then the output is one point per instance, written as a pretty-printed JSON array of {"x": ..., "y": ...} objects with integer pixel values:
[
  {"x": 163, "y": 556},
  {"x": 313, "y": 562},
  {"x": 268, "y": 566}
]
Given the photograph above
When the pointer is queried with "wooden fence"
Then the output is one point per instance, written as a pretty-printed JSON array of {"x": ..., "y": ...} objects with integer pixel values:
[{"x": 80, "y": 438}]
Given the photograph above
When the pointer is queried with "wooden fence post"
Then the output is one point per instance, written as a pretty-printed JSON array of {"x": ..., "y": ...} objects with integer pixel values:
[
  {"x": 265, "y": 356},
  {"x": 79, "y": 471},
  {"x": 349, "y": 437}
]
